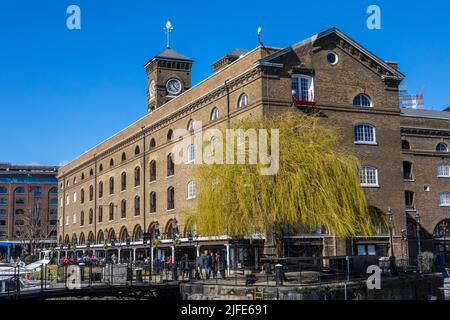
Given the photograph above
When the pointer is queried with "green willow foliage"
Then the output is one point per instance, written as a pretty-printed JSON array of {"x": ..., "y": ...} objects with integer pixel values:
[{"x": 316, "y": 186}]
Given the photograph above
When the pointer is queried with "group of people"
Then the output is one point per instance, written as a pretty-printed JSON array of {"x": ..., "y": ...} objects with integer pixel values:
[{"x": 210, "y": 263}]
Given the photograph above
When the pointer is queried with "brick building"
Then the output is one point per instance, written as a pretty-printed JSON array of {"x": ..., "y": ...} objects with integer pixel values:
[
  {"x": 28, "y": 191},
  {"x": 127, "y": 185}
]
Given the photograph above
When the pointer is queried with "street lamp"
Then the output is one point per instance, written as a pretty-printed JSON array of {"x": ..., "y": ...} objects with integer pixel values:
[
  {"x": 443, "y": 233},
  {"x": 391, "y": 226},
  {"x": 419, "y": 249},
  {"x": 392, "y": 264}
]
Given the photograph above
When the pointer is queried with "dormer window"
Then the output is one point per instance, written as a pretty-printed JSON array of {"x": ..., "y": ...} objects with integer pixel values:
[{"x": 303, "y": 87}]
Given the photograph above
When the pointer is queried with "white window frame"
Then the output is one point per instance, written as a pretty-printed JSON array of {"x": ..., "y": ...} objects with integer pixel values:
[
  {"x": 190, "y": 126},
  {"x": 297, "y": 89},
  {"x": 74, "y": 218},
  {"x": 364, "y": 133},
  {"x": 74, "y": 197},
  {"x": 444, "y": 199},
  {"x": 191, "y": 190},
  {"x": 365, "y": 183},
  {"x": 215, "y": 113},
  {"x": 67, "y": 200},
  {"x": 362, "y": 106},
  {"x": 243, "y": 101},
  {"x": 443, "y": 170},
  {"x": 191, "y": 153},
  {"x": 444, "y": 144}
]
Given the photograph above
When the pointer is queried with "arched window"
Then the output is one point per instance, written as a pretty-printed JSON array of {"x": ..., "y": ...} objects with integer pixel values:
[
  {"x": 444, "y": 199},
  {"x": 362, "y": 100},
  {"x": 137, "y": 205},
  {"x": 170, "y": 135},
  {"x": 74, "y": 239},
  {"x": 190, "y": 125},
  {"x": 100, "y": 189},
  {"x": 100, "y": 168},
  {"x": 100, "y": 237},
  {"x": 82, "y": 218},
  {"x": 442, "y": 229},
  {"x": 91, "y": 193},
  {"x": 111, "y": 163},
  {"x": 170, "y": 165},
  {"x": 170, "y": 198},
  {"x": 368, "y": 176},
  {"x": 191, "y": 153},
  {"x": 152, "y": 143},
  {"x": 406, "y": 145},
  {"x": 215, "y": 114},
  {"x": 444, "y": 170},
  {"x": 191, "y": 190},
  {"x": 111, "y": 185},
  {"x": 153, "y": 170},
  {"x": 137, "y": 150},
  {"x": 91, "y": 172},
  {"x": 100, "y": 214},
  {"x": 364, "y": 134},
  {"x": 441, "y": 147},
  {"x": 111, "y": 211},
  {"x": 74, "y": 180},
  {"x": 82, "y": 176},
  {"x": 123, "y": 235},
  {"x": 19, "y": 190},
  {"x": 91, "y": 238},
  {"x": 123, "y": 181},
  {"x": 152, "y": 202},
  {"x": 123, "y": 209},
  {"x": 124, "y": 157},
  {"x": 243, "y": 101},
  {"x": 137, "y": 233},
  {"x": 82, "y": 196},
  {"x": 82, "y": 240},
  {"x": 137, "y": 176},
  {"x": 91, "y": 216}
]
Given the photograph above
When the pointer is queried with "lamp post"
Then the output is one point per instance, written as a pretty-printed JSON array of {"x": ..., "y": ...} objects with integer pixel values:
[
  {"x": 404, "y": 238},
  {"x": 419, "y": 249},
  {"x": 391, "y": 226},
  {"x": 392, "y": 264},
  {"x": 443, "y": 233}
]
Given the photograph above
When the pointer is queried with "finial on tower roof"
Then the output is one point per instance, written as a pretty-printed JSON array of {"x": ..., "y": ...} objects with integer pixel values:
[{"x": 168, "y": 30}]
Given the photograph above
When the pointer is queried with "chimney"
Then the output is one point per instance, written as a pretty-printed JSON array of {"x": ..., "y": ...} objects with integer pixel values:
[
  {"x": 392, "y": 64},
  {"x": 229, "y": 58}
]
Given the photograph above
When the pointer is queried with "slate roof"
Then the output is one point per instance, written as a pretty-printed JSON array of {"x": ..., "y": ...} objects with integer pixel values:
[{"x": 421, "y": 113}]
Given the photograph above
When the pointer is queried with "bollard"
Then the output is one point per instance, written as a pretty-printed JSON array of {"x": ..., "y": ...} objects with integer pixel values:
[
  {"x": 138, "y": 275},
  {"x": 279, "y": 274}
]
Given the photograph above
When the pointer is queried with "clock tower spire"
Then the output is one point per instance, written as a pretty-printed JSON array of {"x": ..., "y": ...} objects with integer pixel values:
[{"x": 168, "y": 74}]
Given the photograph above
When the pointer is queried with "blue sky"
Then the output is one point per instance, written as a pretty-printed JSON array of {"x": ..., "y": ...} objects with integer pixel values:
[{"x": 62, "y": 91}]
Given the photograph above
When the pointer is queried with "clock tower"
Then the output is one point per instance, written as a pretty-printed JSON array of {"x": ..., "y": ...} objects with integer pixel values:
[{"x": 168, "y": 75}]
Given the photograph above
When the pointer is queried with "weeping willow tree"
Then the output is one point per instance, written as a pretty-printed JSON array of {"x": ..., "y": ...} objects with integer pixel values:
[{"x": 316, "y": 186}]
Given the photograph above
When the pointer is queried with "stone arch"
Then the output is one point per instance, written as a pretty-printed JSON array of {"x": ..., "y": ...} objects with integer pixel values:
[
  {"x": 82, "y": 239},
  {"x": 123, "y": 234},
  {"x": 111, "y": 235},
  {"x": 66, "y": 239},
  {"x": 100, "y": 237},
  {"x": 137, "y": 233},
  {"x": 91, "y": 238}
]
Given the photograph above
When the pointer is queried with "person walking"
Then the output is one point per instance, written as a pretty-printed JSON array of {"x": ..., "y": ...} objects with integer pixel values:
[{"x": 207, "y": 262}]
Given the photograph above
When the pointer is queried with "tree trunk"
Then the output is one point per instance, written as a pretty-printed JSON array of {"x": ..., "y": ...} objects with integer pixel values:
[{"x": 278, "y": 240}]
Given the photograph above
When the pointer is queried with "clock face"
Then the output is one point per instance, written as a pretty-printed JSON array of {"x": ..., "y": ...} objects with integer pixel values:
[
  {"x": 173, "y": 86},
  {"x": 152, "y": 88}
]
